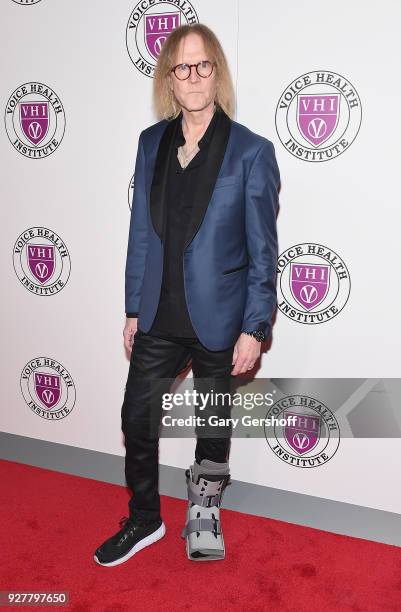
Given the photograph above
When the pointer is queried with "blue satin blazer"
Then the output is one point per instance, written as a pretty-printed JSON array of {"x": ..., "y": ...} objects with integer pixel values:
[{"x": 230, "y": 254}]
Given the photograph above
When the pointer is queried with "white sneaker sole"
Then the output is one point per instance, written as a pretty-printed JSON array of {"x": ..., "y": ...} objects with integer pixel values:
[{"x": 150, "y": 539}]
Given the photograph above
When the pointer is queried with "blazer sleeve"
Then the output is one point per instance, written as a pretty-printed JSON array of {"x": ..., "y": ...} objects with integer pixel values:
[
  {"x": 137, "y": 238},
  {"x": 261, "y": 206}
]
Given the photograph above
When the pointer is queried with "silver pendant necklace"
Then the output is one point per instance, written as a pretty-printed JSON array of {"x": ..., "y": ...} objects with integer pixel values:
[{"x": 185, "y": 159}]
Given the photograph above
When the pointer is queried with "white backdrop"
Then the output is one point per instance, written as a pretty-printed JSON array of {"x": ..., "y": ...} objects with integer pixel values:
[{"x": 348, "y": 204}]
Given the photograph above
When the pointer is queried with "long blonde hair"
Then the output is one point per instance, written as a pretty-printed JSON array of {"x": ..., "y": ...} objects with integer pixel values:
[{"x": 165, "y": 103}]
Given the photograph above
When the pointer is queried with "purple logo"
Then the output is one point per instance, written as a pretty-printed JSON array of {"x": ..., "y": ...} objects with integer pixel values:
[
  {"x": 47, "y": 388},
  {"x": 313, "y": 283},
  {"x": 309, "y": 283},
  {"x": 41, "y": 261},
  {"x": 157, "y": 28},
  {"x": 148, "y": 29},
  {"x": 34, "y": 120},
  {"x": 317, "y": 117},
  {"x": 305, "y": 434}
]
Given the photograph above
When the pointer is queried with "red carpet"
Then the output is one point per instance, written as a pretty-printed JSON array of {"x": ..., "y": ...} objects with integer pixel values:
[{"x": 52, "y": 523}]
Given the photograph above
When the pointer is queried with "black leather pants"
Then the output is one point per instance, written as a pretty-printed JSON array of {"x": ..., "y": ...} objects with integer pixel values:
[{"x": 152, "y": 360}]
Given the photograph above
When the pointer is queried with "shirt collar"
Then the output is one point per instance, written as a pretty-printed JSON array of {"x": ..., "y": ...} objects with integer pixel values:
[{"x": 207, "y": 136}]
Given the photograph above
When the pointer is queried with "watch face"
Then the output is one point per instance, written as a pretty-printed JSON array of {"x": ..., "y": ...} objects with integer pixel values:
[{"x": 259, "y": 335}]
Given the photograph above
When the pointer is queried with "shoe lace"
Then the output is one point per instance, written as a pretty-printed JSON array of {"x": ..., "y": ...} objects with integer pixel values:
[
  {"x": 130, "y": 522},
  {"x": 128, "y": 526},
  {"x": 127, "y": 523},
  {"x": 123, "y": 520}
]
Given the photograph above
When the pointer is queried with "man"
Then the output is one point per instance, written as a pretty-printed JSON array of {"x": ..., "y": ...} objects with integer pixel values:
[{"x": 200, "y": 280}]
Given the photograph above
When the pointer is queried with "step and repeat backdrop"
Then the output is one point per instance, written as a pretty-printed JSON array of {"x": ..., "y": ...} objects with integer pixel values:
[{"x": 319, "y": 82}]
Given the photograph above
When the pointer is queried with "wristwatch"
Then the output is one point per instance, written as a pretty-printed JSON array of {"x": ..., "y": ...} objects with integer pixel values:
[{"x": 258, "y": 335}]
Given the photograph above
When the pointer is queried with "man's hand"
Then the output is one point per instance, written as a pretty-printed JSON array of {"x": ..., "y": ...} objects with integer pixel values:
[
  {"x": 130, "y": 328},
  {"x": 246, "y": 352}
]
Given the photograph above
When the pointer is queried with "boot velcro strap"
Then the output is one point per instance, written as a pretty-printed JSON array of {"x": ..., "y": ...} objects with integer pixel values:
[
  {"x": 202, "y": 524},
  {"x": 207, "y": 493}
]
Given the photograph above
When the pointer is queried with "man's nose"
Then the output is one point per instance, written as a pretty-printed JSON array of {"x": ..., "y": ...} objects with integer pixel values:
[{"x": 194, "y": 76}]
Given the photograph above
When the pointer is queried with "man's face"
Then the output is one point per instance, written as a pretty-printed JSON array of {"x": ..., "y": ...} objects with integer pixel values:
[{"x": 195, "y": 93}]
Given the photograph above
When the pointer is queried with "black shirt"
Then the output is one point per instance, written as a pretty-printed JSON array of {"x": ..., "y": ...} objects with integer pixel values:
[{"x": 172, "y": 317}]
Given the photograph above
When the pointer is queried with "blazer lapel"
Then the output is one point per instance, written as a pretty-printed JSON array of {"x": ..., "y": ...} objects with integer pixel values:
[
  {"x": 208, "y": 173},
  {"x": 158, "y": 192}
]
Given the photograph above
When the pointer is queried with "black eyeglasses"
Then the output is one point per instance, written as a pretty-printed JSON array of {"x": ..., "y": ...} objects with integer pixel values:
[{"x": 204, "y": 70}]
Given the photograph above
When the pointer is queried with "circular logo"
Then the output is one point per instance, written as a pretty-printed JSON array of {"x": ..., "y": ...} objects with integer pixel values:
[
  {"x": 35, "y": 120},
  {"x": 26, "y": 2},
  {"x": 318, "y": 116},
  {"x": 149, "y": 26},
  {"x": 311, "y": 435},
  {"x": 41, "y": 261},
  {"x": 48, "y": 388},
  {"x": 313, "y": 283}
]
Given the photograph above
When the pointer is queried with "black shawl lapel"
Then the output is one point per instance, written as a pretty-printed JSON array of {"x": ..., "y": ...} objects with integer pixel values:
[
  {"x": 158, "y": 192},
  {"x": 209, "y": 171}
]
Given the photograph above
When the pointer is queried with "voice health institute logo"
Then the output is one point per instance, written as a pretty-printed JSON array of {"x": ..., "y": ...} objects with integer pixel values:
[
  {"x": 149, "y": 26},
  {"x": 312, "y": 438},
  {"x": 313, "y": 283},
  {"x": 41, "y": 261},
  {"x": 48, "y": 388},
  {"x": 318, "y": 116},
  {"x": 35, "y": 120}
]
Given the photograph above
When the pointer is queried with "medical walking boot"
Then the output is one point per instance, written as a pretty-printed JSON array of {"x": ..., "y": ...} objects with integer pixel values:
[{"x": 206, "y": 483}]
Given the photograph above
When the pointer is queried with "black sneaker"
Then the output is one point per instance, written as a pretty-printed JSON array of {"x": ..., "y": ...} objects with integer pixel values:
[{"x": 132, "y": 537}]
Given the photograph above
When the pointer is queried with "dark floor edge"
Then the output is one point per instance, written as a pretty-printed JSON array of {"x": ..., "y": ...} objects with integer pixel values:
[{"x": 298, "y": 508}]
